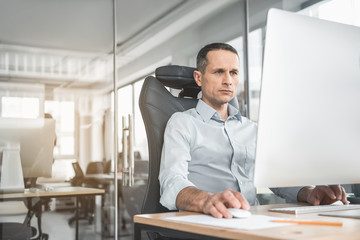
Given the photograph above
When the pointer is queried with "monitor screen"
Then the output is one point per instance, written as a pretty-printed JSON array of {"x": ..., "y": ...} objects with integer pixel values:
[
  {"x": 33, "y": 140},
  {"x": 309, "y": 117}
]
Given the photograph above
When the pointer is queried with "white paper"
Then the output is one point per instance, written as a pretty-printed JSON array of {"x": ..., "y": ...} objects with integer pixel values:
[{"x": 254, "y": 222}]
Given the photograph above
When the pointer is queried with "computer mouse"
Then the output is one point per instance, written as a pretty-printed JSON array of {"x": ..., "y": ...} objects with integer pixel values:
[{"x": 239, "y": 213}]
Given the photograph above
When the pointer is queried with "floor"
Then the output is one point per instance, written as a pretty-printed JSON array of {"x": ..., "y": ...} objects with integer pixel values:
[{"x": 56, "y": 224}]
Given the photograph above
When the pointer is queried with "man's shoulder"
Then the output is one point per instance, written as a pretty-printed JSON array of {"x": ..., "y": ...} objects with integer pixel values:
[
  {"x": 184, "y": 115},
  {"x": 248, "y": 121},
  {"x": 182, "y": 118}
]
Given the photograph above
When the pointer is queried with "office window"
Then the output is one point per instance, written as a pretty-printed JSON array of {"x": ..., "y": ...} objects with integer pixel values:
[
  {"x": 125, "y": 101},
  {"x": 128, "y": 103},
  {"x": 342, "y": 11},
  {"x": 255, "y": 68},
  {"x": 125, "y": 107},
  {"x": 20, "y": 107},
  {"x": 140, "y": 133},
  {"x": 64, "y": 114}
]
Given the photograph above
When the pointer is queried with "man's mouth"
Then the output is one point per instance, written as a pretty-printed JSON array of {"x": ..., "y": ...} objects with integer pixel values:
[{"x": 228, "y": 91}]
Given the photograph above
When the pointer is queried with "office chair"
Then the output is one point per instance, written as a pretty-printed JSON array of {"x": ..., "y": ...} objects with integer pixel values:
[
  {"x": 95, "y": 167},
  {"x": 157, "y": 105},
  {"x": 24, "y": 230},
  {"x": 87, "y": 203},
  {"x": 107, "y": 167},
  {"x": 18, "y": 231}
]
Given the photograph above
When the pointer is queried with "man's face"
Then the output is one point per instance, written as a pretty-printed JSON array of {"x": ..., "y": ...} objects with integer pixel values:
[{"x": 220, "y": 79}]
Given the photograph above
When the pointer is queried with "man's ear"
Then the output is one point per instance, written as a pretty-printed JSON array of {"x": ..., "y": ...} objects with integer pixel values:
[{"x": 197, "y": 77}]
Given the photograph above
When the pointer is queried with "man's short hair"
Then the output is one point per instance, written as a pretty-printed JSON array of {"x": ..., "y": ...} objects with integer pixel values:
[{"x": 201, "y": 59}]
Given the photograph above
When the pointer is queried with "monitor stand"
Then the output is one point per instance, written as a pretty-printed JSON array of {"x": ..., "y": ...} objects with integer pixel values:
[{"x": 11, "y": 175}]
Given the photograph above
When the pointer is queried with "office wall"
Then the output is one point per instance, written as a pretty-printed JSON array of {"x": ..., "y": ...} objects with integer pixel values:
[
  {"x": 221, "y": 26},
  {"x": 183, "y": 47}
]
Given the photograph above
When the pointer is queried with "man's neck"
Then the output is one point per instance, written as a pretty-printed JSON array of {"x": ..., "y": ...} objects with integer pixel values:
[
  {"x": 223, "y": 114},
  {"x": 221, "y": 109}
]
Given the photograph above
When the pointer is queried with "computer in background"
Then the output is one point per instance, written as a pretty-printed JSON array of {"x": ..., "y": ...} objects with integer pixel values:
[
  {"x": 26, "y": 151},
  {"x": 309, "y": 117}
]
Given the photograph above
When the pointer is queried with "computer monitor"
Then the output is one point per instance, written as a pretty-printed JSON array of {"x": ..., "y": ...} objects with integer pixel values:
[
  {"x": 30, "y": 141},
  {"x": 309, "y": 117}
]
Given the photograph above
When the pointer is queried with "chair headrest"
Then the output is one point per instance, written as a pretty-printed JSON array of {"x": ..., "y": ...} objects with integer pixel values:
[
  {"x": 178, "y": 77},
  {"x": 175, "y": 76}
]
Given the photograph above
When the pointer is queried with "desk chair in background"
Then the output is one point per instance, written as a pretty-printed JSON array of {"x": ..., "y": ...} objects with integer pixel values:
[
  {"x": 157, "y": 105},
  {"x": 87, "y": 203}
]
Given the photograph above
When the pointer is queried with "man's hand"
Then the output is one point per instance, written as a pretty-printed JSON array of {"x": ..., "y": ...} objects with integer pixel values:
[
  {"x": 322, "y": 195},
  {"x": 193, "y": 199},
  {"x": 217, "y": 204}
]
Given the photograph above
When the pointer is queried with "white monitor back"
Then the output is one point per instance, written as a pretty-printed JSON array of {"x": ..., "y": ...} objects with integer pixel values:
[
  {"x": 309, "y": 119},
  {"x": 35, "y": 138}
]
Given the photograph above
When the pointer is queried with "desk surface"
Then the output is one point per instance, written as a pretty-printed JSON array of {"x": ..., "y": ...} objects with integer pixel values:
[
  {"x": 105, "y": 176},
  {"x": 349, "y": 230},
  {"x": 110, "y": 177},
  {"x": 55, "y": 192}
]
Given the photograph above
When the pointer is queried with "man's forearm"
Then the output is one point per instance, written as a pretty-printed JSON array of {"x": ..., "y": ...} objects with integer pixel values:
[{"x": 192, "y": 199}]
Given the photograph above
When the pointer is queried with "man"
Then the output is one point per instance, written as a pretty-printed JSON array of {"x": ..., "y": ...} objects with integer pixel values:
[{"x": 208, "y": 154}]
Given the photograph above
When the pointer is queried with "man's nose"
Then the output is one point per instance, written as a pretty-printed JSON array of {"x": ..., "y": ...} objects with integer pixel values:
[{"x": 227, "y": 79}]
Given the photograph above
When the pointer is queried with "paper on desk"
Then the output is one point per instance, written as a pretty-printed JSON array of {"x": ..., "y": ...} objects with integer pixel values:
[{"x": 253, "y": 222}]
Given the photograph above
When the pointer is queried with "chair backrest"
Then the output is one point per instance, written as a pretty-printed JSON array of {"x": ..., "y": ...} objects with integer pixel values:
[
  {"x": 78, "y": 179},
  {"x": 157, "y": 105},
  {"x": 107, "y": 166},
  {"x": 95, "y": 167},
  {"x": 77, "y": 169}
]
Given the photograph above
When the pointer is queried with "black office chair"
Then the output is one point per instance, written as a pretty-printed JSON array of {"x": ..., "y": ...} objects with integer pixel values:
[
  {"x": 17, "y": 231},
  {"x": 24, "y": 230},
  {"x": 157, "y": 105}
]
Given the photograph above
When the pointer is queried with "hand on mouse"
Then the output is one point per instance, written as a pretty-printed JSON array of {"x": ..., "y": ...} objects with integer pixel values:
[
  {"x": 217, "y": 204},
  {"x": 193, "y": 199}
]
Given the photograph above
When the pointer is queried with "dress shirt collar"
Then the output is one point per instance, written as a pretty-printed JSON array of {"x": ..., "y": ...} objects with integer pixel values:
[{"x": 207, "y": 112}]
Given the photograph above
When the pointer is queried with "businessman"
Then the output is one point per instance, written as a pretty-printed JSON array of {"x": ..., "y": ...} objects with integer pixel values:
[{"x": 207, "y": 161}]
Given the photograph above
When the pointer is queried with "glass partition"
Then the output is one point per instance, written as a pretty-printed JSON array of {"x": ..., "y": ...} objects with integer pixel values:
[
  {"x": 56, "y": 58},
  {"x": 56, "y": 62}
]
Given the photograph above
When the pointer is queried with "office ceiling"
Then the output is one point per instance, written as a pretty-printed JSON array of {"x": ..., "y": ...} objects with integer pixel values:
[
  {"x": 68, "y": 43},
  {"x": 78, "y": 25}
]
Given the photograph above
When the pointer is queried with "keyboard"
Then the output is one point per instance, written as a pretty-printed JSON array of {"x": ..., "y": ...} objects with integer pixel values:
[{"x": 315, "y": 209}]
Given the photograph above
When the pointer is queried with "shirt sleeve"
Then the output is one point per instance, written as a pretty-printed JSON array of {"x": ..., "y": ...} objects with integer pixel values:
[
  {"x": 288, "y": 193},
  {"x": 175, "y": 156}
]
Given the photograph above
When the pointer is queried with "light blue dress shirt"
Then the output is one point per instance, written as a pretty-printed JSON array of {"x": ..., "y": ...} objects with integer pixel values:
[{"x": 202, "y": 150}]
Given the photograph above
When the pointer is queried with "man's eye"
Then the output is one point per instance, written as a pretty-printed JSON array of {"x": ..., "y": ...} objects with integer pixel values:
[
  {"x": 218, "y": 71},
  {"x": 234, "y": 73}
]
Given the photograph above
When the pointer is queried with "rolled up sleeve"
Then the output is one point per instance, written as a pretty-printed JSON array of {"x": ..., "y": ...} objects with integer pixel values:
[{"x": 175, "y": 157}]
